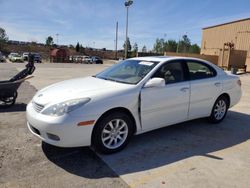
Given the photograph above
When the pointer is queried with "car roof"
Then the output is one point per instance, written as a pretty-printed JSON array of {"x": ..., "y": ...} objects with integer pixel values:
[
  {"x": 153, "y": 58},
  {"x": 165, "y": 58}
]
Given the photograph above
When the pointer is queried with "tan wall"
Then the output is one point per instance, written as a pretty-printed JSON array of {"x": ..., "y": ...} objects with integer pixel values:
[
  {"x": 211, "y": 58},
  {"x": 248, "y": 64},
  {"x": 213, "y": 38}
]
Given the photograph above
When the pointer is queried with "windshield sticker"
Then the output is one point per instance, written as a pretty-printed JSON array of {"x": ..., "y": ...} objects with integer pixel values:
[{"x": 146, "y": 63}]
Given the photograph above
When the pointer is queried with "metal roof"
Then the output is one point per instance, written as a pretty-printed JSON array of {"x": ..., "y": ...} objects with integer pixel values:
[{"x": 226, "y": 23}]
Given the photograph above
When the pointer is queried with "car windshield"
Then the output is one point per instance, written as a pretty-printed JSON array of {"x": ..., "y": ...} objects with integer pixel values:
[{"x": 128, "y": 71}]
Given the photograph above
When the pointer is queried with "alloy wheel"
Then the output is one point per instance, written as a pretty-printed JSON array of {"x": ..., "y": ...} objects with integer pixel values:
[
  {"x": 114, "y": 133},
  {"x": 220, "y": 109}
]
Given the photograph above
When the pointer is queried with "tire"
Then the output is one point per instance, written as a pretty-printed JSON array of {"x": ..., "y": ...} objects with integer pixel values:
[
  {"x": 9, "y": 101},
  {"x": 107, "y": 140},
  {"x": 99, "y": 62},
  {"x": 219, "y": 110}
]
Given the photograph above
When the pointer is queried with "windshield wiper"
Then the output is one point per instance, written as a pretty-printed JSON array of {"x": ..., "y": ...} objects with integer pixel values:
[
  {"x": 118, "y": 81},
  {"x": 110, "y": 79}
]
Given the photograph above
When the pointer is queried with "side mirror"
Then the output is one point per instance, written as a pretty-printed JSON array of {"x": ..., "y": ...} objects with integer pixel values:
[{"x": 155, "y": 82}]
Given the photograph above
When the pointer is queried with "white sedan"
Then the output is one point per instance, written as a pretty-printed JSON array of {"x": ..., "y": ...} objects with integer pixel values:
[{"x": 132, "y": 97}]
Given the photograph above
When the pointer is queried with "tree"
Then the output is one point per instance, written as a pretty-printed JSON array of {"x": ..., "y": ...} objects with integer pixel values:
[
  {"x": 129, "y": 45},
  {"x": 81, "y": 48},
  {"x": 159, "y": 45},
  {"x": 194, "y": 48},
  {"x": 49, "y": 41},
  {"x": 135, "y": 47},
  {"x": 144, "y": 49},
  {"x": 3, "y": 37},
  {"x": 184, "y": 44},
  {"x": 77, "y": 47},
  {"x": 170, "y": 46},
  {"x": 135, "y": 50}
]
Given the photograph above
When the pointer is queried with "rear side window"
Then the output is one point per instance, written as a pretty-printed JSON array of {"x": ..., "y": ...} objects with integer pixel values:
[
  {"x": 198, "y": 70},
  {"x": 171, "y": 72}
]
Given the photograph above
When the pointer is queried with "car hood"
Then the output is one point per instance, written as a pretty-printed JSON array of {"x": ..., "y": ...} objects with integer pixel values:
[{"x": 79, "y": 88}]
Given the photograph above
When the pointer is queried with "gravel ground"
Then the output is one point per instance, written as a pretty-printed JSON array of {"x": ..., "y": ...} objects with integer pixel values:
[{"x": 26, "y": 162}]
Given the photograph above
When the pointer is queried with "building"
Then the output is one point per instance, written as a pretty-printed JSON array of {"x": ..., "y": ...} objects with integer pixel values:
[
  {"x": 236, "y": 33},
  {"x": 229, "y": 41},
  {"x": 59, "y": 55}
]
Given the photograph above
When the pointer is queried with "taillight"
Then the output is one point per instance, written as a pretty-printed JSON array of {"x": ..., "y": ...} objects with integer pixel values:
[{"x": 239, "y": 82}]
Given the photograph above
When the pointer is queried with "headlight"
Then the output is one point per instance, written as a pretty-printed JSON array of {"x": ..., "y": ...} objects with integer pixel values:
[{"x": 65, "y": 107}]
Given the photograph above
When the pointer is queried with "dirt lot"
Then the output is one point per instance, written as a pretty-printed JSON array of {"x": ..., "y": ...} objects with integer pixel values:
[{"x": 191, "y": 154}]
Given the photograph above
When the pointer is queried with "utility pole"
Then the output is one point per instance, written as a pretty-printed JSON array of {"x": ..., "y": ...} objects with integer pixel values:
[
  {"x": 127, "y": 4},
  {"x": 116, "y": 40}
]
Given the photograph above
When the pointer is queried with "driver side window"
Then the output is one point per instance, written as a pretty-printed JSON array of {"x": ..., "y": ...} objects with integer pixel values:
[{"x": 171, "y": 72}]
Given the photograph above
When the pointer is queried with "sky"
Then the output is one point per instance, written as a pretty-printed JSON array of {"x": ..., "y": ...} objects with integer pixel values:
[{"x": 92, "y": 22}]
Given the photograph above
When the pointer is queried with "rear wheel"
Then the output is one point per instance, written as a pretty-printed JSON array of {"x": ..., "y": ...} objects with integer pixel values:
[
  {"x": 219, "y": 110},
  {"x": 112, "y": 133}
]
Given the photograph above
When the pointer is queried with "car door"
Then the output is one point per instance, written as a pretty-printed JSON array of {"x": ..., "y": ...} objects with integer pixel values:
[
  {"x": 205, "y": 88},
  {"x": 162, "y": 106}
]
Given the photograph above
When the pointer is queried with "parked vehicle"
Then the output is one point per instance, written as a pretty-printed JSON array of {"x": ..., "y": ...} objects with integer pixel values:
[
  {"x": 2, "y": 58},
  {"x": 96, "y": 60},
  {"x": 16, "y": 58},
  {"x": 77, "y": 58},
  {"x": 11, "y": 54},
  {"x": 37, "y": 57},
  {"x": 25, "y": 56},
  {"x": 86, "y": 59},
  {"x": 132, "y": 97}
]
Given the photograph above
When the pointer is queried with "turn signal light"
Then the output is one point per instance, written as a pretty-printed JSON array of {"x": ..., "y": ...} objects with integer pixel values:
[{"x": 83, "y": 123}]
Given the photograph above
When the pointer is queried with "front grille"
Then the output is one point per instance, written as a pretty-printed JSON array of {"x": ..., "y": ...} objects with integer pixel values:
[{"x": 37, "y": 107}]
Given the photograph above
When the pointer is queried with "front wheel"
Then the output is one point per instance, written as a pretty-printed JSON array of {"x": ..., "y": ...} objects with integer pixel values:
[
  {"x": 219, "y": 110},
  {"x": 112, "y": 133}
]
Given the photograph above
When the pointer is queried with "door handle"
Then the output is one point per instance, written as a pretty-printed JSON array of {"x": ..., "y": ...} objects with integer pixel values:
[
  {"x": 217, "y": 84},
  {"x": 184, "y": 89}
]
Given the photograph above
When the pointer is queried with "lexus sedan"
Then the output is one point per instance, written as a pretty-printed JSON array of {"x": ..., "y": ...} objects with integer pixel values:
[{"x": 132, "y": 97}]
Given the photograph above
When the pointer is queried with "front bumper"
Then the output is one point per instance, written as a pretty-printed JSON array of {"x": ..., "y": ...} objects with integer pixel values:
[{"x": 49, "y": 129}]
